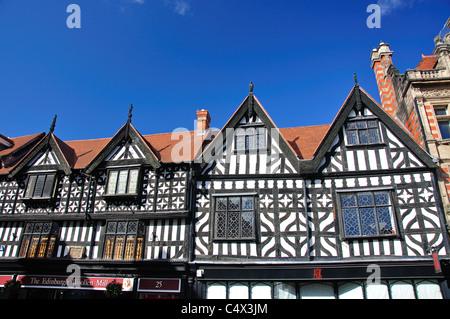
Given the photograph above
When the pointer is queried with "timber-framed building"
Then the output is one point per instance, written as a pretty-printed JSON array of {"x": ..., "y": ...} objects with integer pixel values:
[{"x": 346, "y": 210}]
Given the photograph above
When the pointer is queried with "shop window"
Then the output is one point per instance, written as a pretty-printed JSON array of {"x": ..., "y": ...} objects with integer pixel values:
[
  {"x": 234, "y": 217},
  {"x": 367, "y": 214},
  {"x": 317, "y": 291},
  {"x": 238, "y": 291},
  {"x": 428, "y": 289},
  {"x": 402, "y": 290},
  {"x": 40, "y": 186},
  {"x": 216, "y": 290},
  {"x": 122, "y": 182},
  {"x": 261, "y": 291},
  {"x": 363, "y": 132},
  {"x": 377, "y": 291},
  {"x": 351, "y": 290},
  {"x": 250, "y": 138},
  {"x": 124, "y": 240},
  {"x": 283, "y": 290},
  {"x": 38, "y": 240}
]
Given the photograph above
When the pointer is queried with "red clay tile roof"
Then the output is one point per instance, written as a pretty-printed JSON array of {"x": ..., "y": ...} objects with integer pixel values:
[
  {"x": 304, "y": 140},
  {"x": 428, "y": 62}
]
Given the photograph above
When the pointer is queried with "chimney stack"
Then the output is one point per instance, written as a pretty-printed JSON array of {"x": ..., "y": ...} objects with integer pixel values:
[{"x": 203, "y": 120}]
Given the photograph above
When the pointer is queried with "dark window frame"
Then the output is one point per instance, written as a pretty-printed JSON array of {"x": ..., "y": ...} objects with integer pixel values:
[
  {"x": 44, "y": 190},
  {"x": 239, "y": 213},
  {"x": 38, "y": 240},
  {"x": 251, "y": 136},
  {"x": 395, "y": 231},
  {"x": 361, "y": 124},
  {"x": 117, "y": 171},
  {"x": 118, "y": 237}
]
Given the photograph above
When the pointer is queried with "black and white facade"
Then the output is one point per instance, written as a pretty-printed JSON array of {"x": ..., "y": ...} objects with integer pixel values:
[{"x": 247, "y": 217}]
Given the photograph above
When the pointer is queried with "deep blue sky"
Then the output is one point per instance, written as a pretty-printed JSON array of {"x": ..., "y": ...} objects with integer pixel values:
[{"x": 170, "y": 58}]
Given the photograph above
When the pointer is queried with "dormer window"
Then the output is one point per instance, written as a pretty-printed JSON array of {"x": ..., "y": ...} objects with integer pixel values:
[
  {"x": 122, "y": 182},
  {"x": 250, "y": 138},
  {"x": 40, "y": 186}
]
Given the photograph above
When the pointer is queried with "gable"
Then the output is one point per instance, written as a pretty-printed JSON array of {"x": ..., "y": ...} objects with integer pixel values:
[
  {"x": 126, "y": 145},
  {"x": 342, "y": 151},
  {"x": 249, "y": 143},
  {"x": 50, "y": 152}
]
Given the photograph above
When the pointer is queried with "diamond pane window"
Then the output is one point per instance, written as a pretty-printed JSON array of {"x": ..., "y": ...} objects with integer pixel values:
[
  {"x": 124, "y": 240},
  {"x": 234, "y": 218},
  {"x": 363, "y": 132},
  {"x": 367, "y": 214},
  {"x": 38, "y": 240}
]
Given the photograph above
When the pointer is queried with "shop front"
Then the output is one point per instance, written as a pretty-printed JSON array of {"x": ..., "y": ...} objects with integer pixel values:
[{"x": 383, "y": 280}]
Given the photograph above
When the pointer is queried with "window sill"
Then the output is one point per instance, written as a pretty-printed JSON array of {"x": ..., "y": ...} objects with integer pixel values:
[
  {"x": 350, "y": 238},
  {"x": 379, "y": 144}
]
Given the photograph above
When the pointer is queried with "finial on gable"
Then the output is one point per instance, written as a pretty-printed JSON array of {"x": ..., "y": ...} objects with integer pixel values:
[
  {"x": 251, "y": 87},
  {"x": 129, "y": 113},
  {"x": 52, "y": 126},
  {"x": 358, "y": 93}
]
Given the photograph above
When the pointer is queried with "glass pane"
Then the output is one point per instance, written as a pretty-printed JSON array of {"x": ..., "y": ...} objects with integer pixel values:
[
  {"x": 377, "y": 291},
  {"x": 119, "y": 248},
  {"x": 261, "y": 138},
  {"x": 24, "y": 247},
  {"x": 30, "y": 186},
  {"x": 440, "y": 111},
  {"x": 111, "y": 229},
  {"x": 247, "y": 203},
  {"x": 121, "y": 227},
  {"x": 444, "y": 128},
  {"x": 372, "y": 124},
  {"x": 363, "y": 137},
  {"x": 351, "y": 223},
  {"x": 42, "y": 247},
  {"x": 48, "y": 188},
  {"x": 240, "y": 131},
  {"x": 351, "y": 125},
  {"x": 129, "y": 248},
  {"x": 382, "y": 198},
  {"x": 350, "y": 290},
  {"x": 216, "y": 291},
  {"x": 284, "y": 290},
  {"x": 361, "y": 124},
  {"x": 238, "y": 291},
  {"x": 122, "y": 182},
  {"x": 221, "y": 219},
  {"x": 352, "y": 137},
  {"x": 249, "y": 142},
  {"x": 140, "y": 243},
  {"x": 428, "y": 290},
  {"x": 132, "y": 227},
  {"x": 374, "y": 137},
  {"x": 39, "y": 186},
  {"x": 109, "y": 246},
  {"x": 385, "y": 220},
  {"x": 33, "y": 247},
  {"x": 51, "y": 246},
  {"x": 402, "y": 290},
  {"x": 233, "y": 225},
  {"x": 348, "y": 200},
  {"x": 317, "y": 291},
  {"x": 368, "y": 221},
  {"x": 365, "y": 199},
  {"x": 37, "y": 228},
  {"x": 234, "y": 203},
  {"x": 112, "y": 182},
  {"x": 46, "y": 227},
  {"x": 221, "y": 203},
  {"x": 133, "y": 181},
  {"x": 247, "y": 225},
  {"x": 240, "y": 142},
  {"x": 261, "y": 291}
]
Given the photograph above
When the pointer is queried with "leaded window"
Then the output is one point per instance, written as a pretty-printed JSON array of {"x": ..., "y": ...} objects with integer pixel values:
[
  {"x": 367, "y": 214},
  {"x": 363, "y": 132},
  {"x": 234, "y": 217},
  {"x": 38, "y": 240},
  {"x": 124, "y": 240},
  {"x": 40, "y": 186},
  {"x": 250, "y": 138},
  {"x": 123, "y": 182}
]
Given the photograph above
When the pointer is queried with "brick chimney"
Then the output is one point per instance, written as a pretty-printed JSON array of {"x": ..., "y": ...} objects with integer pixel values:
[
  {"x": 381, "y": 61},
  {"x": 203, "y": 120}
]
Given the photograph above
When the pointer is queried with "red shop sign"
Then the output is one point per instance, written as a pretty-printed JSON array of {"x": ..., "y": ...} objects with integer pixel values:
[
  {"x": 4, "y": 279},
  {"x": 60, "y": 282},
  {"x": 159, "y": 285}
]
